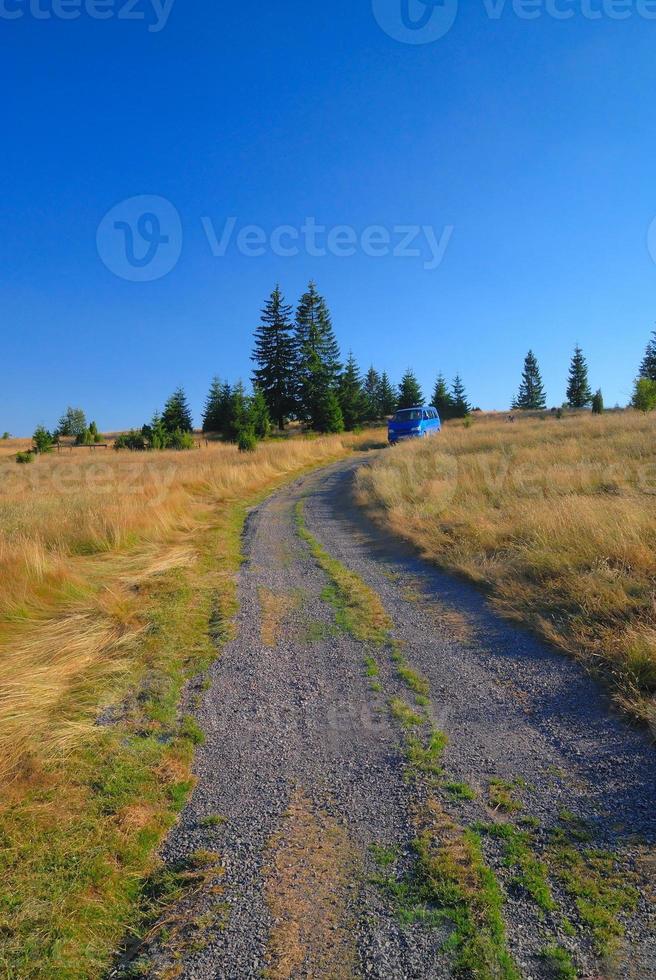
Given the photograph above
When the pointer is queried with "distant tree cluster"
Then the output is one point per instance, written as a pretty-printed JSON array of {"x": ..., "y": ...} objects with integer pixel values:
[
  {"x": 300, "y": 373},
  {"x": 451, "y": 403},
  {"x": 531, "y": 395},
  {"x": 172, "y": 429}
]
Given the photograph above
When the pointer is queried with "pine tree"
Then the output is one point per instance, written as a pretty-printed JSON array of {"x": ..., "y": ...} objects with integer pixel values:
[
  {"x": 644, "y": 395},
  {"x": 274, "y": 355},
  {"x": 531, "y": 390},
  {"x": 238, "y": 419},
  {"x": 42, "y": 439},
  {"x": 461, "y": 407},
  {"x": 648, "y": 366},
  {"x": 387, "y": 399},
  {"x": 442, "y": 399},
  {"x": 176, "y": 416},
  {"x": 351, "y": 395},
  {"x": 372, "y": 394},
  {"x": 225, "y": 408},
  {"x": 410, "y": 393},
  {"x": 578, "y": 388},
  {"x": 598, "y": 403},
  {"x": 212, "y": 414},
  {"x": 328, "y": 416},
  {"x": 156, "y": 433},
  {"x": 260, "y": 420},
  {"x": 317, "y": 352},
  {"x": 72, "y": 423}
]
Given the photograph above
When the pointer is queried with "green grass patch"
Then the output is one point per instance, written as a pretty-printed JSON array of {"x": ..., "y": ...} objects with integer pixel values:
[
  {"x": 559, "y": 962},
  {"x": 358, "y": 609},
  {"x": 459, "y": 791},
  {"x": 414, "y": 681},
  {"x": 406, "y": 716},
  {"x": 599, "y": 889},
  {"x": 519, "y": 854},
  {"x": 384, "y": 856},
  {"x": 451, "y": 885},
  {"x": 502, "y": 796},
  {"x": 371, "y": 665},
  {"x": 425, "y": 759},
  {"x": 212, "y": 821}
]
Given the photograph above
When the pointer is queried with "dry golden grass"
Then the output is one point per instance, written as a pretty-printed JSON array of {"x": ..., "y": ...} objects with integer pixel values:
[
  {"x": 312, "y": 864},
  {"x": 80, "y": 534},
  {"x": 557, "y": 518}
]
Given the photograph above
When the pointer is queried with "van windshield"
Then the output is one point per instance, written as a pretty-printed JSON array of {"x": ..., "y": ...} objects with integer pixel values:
[{"x": 408, "y": 415}]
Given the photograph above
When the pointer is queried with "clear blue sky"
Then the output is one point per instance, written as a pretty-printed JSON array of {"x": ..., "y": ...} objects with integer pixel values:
[{"x": 534, "y": 139}]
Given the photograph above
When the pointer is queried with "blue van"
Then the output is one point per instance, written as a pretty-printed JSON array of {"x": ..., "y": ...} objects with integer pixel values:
[{"x": 413, "y": 423}]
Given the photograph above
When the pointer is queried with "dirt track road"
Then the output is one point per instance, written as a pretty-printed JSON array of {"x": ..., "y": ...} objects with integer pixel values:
[{"x": 536, "y": 821}]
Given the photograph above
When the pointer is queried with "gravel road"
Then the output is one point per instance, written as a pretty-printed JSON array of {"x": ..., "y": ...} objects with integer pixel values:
[{"x": 301, "y": 776}]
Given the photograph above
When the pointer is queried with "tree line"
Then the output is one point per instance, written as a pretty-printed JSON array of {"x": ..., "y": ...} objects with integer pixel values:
[
  {"x": 299, "y": 375},
  {"x": 532, "y": 396}
]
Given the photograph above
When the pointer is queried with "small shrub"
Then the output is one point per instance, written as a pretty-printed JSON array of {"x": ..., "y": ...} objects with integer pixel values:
[
  {"x": 43, "y": 440},
  {"x": 130, "y": 440},
  {"x": 644, "y": 395},
  {"x": 180, "y": 440},
  {"x": 25, "y": 457},
  {"x": 247, "y": 441},
  {"x": 598, "y": 403}
]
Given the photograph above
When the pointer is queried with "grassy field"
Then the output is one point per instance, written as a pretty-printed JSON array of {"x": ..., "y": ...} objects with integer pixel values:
[
  {"x": 556, "y": 518},
  {"x": 117, "y": 576}
]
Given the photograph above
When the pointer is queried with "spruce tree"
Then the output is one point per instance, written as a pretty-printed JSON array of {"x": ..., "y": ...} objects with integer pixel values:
[
  {"x": 410, "y": 393},
  {"x": 442, "y": 399},
  {"x": 387, "y": 399},
  {"x": 531, "y": 390},
  {"x": 578, "y": 389},
  {"x": 328, "y": 417},
  {"x": 372, "y": 394},
  {"x": 225, "y": 409},
  {"x": 156, "y": 433},
  {"x": 351, "y": 396},
  {"x": 176, "y": 416},
  {"x": 317, "y": 352},
  {"x": 238, "y": 419},
  {"x": 212, "y": 414},
  {"x": 598, "y": 403},
  {"x": 648, "y": 366},
  {"x": 461, "y": 407},
  {"x": 260, "y": 420},
  {"x": 273, "y": 354}
]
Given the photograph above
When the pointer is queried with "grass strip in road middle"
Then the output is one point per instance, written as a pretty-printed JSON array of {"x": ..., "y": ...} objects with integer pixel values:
[
  {"x": 450, "y": 881},
  {"x": 358, "y": 609}
]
